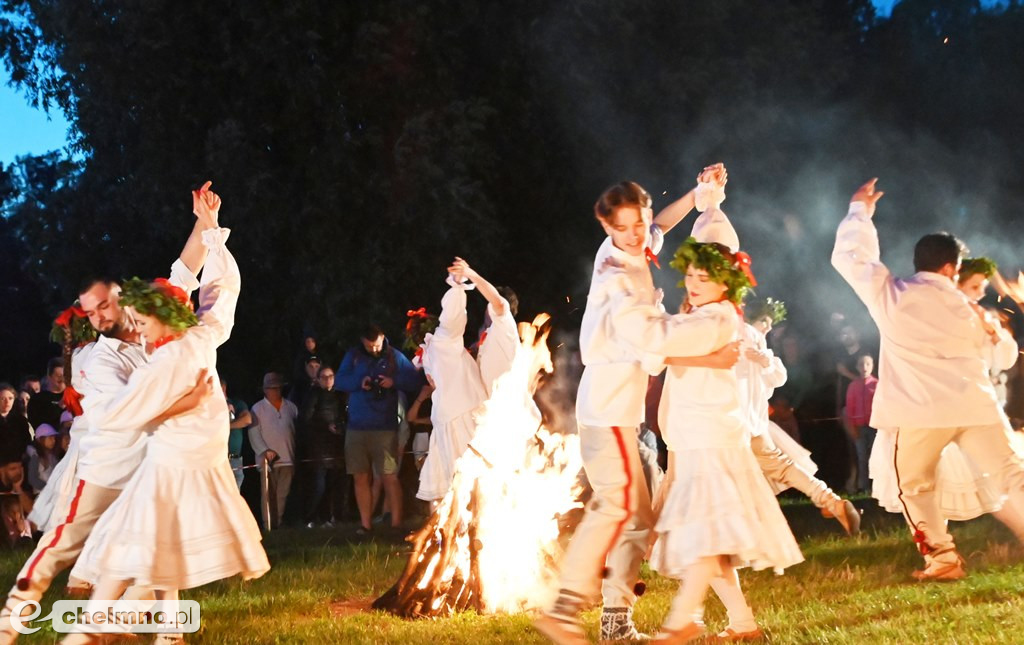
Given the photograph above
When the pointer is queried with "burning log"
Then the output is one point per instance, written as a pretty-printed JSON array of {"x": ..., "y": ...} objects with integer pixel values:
[{"x": 492, "y": 544}]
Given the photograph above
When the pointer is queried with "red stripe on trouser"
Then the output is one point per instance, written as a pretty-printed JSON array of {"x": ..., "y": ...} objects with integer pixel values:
[
  {"x": 625, "y": 493},
  {"x": 56, "y": 536}
]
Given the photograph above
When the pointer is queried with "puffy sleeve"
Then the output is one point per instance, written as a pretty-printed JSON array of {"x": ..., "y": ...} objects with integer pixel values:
[
  {"x": 1005, "y": 351},
  {"x": 151, "y": 389},
  {"x": 182, "y": 277},
  {"x": 773, "y": 376},
  {"x": 857, "y": 258},
  {"x": 649, "y": 330},
  {"x": 219, "y": 288},
  {"x": 452, "y": 321}
]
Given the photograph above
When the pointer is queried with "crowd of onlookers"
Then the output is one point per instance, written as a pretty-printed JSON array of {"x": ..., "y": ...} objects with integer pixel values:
[{"x": 331, "y": 444}]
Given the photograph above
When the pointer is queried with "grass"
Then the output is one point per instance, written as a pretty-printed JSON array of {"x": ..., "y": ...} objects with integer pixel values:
[{"x": 848, "y": 591}]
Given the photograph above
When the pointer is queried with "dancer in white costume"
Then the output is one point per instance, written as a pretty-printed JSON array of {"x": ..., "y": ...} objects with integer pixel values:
[
  {"x": 933, "y": 384},
  {"x": 622, "y": 322},
  {"x": 961, "y": 490},
  {"x": 784, "y": 462},
  {"x": 106, "y": 459},
  {"x": 719, "y": 513},
  {"x": 180, "y": 522},
  {"x": 461, "y": 384}
]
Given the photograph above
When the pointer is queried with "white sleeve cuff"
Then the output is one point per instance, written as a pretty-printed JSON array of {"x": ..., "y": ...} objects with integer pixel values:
[
  {"x": 708, "y": 195},
  {"x": 214, "y": 237},
  {"x": 858, "y": 210}
]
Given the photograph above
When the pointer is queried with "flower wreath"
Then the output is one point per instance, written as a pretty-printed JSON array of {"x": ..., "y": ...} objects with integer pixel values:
[
  {"x": 420, "y": 324},
  {"x": 734, "y": 274},
  {"x": 161, "y": 299},
  {"x": 74, "y": 323},
  {"x": 758, "y": 309},
  {"x": 984, "y": 266}
]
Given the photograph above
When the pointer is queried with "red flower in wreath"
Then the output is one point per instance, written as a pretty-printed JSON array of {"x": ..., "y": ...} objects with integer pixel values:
[
  {"x": 173, "y": 291},
  {"x": 64, "y": 319},
  {"x": 744, "y": 262}
]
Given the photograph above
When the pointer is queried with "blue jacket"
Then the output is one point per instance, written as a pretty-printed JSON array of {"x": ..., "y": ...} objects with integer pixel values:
[{"x": 367, "y": 409}]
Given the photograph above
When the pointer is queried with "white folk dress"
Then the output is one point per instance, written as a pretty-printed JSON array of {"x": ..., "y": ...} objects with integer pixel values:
[
  {"x": 51, "y": 505},
  {"x": 458, "y": 392},
  {"x": 180, "y": 521},
  {"x": 757, "y": 384},
  {"x": 719, "y": 502}
]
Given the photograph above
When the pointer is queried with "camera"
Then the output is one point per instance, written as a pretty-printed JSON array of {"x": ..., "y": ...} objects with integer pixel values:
[{"x": 376, "y": 389}]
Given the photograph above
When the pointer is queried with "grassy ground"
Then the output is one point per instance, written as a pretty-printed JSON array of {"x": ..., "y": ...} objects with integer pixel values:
[{"x": 848, "y": 591}]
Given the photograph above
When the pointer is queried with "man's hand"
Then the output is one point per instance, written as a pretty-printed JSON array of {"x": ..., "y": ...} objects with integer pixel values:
[
  {"x": 206, "y": 206},
  {"x": 868, "y": 195},
  {"x": 270, "y": 456},
  {"x": 725, "y": 357},
  {"x": 714, "y": 173},
  {"x": 461, "y": 269},
  {"x": 755, "y": 355},
  {"x": 202, "y": 390},
  {"x": 367, "y": 383},
  {"x": 386, "y": 382}
]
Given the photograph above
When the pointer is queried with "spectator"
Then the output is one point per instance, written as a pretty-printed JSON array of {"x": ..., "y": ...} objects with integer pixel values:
[
  {"x": 323, "y": 415},
  {"x": 272, "y": 435},
  {"x": 241, "y": 418},
  {"x": 42, "y": 457},
  {"x": 859, "y": 396},
  {"x": 31, "y": 384},
  {"x": 14, "y": 429},
  {"x": 372, "y": 373},
  {"x": 21, "y": 403},
  {"x": 46, "y": 406},
  {"x": 305, "y": 382},
  {"x": 15, "y": 502},
  {"x": 309, "y": 348}
]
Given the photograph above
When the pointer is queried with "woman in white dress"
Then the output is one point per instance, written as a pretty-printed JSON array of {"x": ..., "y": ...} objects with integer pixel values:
[
  {"x": 720, "y": 513},
  {"x": 180, "y": 521}
]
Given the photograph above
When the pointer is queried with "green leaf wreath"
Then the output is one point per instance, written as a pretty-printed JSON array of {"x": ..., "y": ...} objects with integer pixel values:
[
  {"x": 160, "y": 302},
  {"x": 970, "y": 266},
  {"x": 758, "y": 309},
  {"x": 708, "y": 257}
]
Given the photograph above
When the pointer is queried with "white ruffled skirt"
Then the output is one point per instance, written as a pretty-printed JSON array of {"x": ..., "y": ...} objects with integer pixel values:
[
  {"x": 52, "y": 504},
  {"x": 721, "y": 504},
  {"x": 962, "y": 493},
  {"x": 175, "y": 528},
  {"x": 447, "y": 443}
]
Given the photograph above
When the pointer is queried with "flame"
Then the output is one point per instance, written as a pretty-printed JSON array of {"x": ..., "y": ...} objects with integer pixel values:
[
  {"x": 511, "y": 487},
  {"x": 1013, "y": 289}
]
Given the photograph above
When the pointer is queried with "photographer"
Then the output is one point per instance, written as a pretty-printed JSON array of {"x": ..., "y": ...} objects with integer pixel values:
[{"x": 372, "y": 373}]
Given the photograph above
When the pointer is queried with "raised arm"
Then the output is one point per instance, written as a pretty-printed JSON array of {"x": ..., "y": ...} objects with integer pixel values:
[
  {"x": 856, "y": 255},
  {"x": 668, "y": 217},
  {"x": 451, "y": 323},
  {"x": 461, "y": 268},
  {"x": 221, "y": 281}
]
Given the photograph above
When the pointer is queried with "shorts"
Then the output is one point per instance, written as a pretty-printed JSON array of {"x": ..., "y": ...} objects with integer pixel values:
[{"x": 371, "y": 451}]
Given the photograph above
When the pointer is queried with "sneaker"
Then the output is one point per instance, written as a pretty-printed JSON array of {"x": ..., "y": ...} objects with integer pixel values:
[
  {"x": 730, "y": 635},
  {"x": 941, "y": 571},
  {"x": 329, "y": 524},
  {"x": 383, "y": 518},
  {"x": 617, "y": 627},
  {"x": 310, "y": 525},
  {"x": 364, "y": 532},
  {"x": 690, "y": 632},
  {"x": 559, "y": 630}
]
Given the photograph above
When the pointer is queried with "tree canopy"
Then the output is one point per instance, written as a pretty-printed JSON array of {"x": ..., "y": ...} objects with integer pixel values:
[{"x": 360, "y": 145}]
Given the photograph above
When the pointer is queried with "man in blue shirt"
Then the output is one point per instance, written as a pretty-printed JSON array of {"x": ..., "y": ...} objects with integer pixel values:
[{"x": 372, "y": 373}]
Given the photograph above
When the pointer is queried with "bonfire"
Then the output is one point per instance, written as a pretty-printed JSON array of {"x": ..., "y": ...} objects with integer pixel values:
[{"x": 493, "y": 543}]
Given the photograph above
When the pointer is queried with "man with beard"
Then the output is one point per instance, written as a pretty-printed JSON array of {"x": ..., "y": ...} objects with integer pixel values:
[
  {"x": 372, "y": 373},
  {"x": 106, "y": 459}
]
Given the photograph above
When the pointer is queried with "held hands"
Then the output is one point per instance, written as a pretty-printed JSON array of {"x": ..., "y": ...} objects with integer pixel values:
[
  {"x": 206, "y": 205},
  {"x": 461, "y": 270},
  {"x": 868, "y": 195},
  {"x": 715, "y": 173},
  {"x": 986, "y": 322}
]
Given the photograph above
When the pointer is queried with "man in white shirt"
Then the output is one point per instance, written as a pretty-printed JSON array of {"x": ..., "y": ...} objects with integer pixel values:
[
  {"x": 272, "y": 435},
  {"x": 106, "y": 459},
  {"x": 933, "y": 384}
]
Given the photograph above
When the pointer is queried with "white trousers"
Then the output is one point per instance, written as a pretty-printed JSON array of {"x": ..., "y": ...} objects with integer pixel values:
[
  {"x": 917, "y": 457},
  {"x": 612, "y": 538},
  {"x": 777, "y": 466}
]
